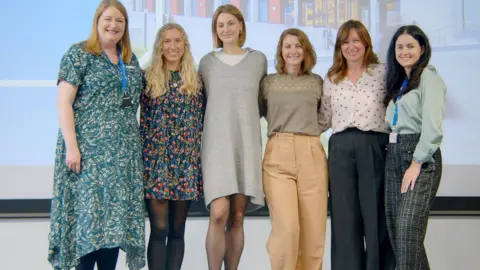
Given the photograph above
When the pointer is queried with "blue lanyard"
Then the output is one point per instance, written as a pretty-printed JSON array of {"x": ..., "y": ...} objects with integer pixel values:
[
  {"x": 122, "y": 70},
  {"x": 395, "y": 115}
]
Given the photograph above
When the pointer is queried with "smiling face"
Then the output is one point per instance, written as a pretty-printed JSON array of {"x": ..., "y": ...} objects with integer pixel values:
[
  {"x": 173, "y": 47},
  {"x": 111, "y": 26},
  {"x": 353, "y": 48},
  {"x": 292, "y": 51},
  {"x": 407, "y": 51},
  {"x": 228, "y": 28}
]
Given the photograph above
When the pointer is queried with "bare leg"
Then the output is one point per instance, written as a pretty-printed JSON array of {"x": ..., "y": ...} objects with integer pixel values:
[
  {"x": 215, "y": 243},
  {"x": 234, "y": 235}
]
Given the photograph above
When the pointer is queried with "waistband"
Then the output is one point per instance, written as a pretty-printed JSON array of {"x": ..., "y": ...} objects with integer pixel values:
[
  {"x": 359, "y": 131},
  {"x": 282, "y": 135}
]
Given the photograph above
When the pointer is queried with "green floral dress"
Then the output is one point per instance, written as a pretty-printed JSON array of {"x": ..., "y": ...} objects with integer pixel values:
[{"x": 103, "y": 205}]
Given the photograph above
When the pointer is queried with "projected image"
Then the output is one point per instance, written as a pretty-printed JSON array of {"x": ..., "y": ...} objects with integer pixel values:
[
  {"x": 265, "y": 20},
  {"x": 320, "y": 19},
  {"x": 28, "y": 83}
]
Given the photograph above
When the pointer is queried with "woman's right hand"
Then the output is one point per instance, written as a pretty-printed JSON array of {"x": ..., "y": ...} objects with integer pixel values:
[
  {"x": 73, "y": 159},
  {"x": 66, "y": 96}
]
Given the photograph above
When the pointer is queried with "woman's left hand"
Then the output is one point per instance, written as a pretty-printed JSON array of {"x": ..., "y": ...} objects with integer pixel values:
[{"x": 410, "y": 176}]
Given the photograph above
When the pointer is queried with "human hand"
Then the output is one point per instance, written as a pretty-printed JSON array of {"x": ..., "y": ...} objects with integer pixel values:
[
  {"x": 73, "y": 159},
  {"x": 410, "y": 176}
]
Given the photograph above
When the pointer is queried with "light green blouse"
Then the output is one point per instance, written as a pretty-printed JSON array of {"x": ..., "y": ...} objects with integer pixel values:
[{"x": 422, "y": 111}]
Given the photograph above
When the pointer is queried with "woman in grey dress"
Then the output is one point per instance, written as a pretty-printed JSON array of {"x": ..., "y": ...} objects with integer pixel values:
[{"x": 231, "y": 144}]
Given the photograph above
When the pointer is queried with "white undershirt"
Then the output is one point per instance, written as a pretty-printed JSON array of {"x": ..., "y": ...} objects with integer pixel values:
[{"x": 230, "y": 59}]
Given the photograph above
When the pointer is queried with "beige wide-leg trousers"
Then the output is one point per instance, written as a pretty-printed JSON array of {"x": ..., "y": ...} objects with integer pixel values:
[{"x": 295, "y": 181}]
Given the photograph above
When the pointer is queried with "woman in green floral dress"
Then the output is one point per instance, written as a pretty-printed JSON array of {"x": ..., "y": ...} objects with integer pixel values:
[{"x": 98, "y": 200}]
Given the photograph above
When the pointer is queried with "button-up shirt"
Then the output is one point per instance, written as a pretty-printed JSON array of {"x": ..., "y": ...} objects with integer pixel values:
[
  {"x": 422, "y": 110},
  {"x": 346, "y": 105}
]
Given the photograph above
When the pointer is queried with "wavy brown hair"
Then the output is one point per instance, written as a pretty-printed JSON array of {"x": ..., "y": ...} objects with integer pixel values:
[
  {"x": 309, "y": 55},
  {"x": 339, "y": 69},
  {"x": 158, "y": 75},
  {"x": 233, "y": 10},
  {"x": 93, "y": 43}
]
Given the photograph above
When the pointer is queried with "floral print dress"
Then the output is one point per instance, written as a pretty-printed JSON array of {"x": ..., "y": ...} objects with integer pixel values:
[
  {"x": 171, "y": 127},
  {"x": 103, "y": 205}
]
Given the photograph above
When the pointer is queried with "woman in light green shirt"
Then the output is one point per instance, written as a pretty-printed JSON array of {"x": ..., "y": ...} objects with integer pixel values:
[{"x": 415, "y": 113}]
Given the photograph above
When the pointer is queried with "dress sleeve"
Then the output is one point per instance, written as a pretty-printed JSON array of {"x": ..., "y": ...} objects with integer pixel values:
[
  {"x": 145, "y": 115},
  {"x": 73, "y": 66},
  {"x": 262, "y": 101},
  {"x": 203, "y": 100}
]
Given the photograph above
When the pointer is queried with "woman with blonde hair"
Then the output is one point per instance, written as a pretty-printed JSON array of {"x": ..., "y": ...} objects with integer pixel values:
[
  {"x": 295, "y": 177},
  {"x": 97, "y": 202},
  {"x": 352, "y": 105},
  {"x": 231, "y": 147},
  {"x": 171, "y": 121}
]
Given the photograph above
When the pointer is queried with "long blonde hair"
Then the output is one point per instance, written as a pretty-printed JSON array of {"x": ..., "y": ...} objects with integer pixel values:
[
  {"x": 93, "y": 43},
  {"x": 157, "y": 74}
]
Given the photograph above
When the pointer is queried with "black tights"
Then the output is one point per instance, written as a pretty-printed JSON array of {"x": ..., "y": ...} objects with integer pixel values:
[
  {"x": 167, "y": 221},
  {"x": 106, "y": 259}
]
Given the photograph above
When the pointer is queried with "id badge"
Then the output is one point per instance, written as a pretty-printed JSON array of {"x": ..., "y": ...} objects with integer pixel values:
[
  {"x": 126, "y": 102},
  {"x": 393, "y": 137}
]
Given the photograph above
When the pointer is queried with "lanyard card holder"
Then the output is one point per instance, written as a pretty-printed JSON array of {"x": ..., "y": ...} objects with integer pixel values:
[
  {"x": 393, "y": 137},
  {"x": 126, "y": 101}
]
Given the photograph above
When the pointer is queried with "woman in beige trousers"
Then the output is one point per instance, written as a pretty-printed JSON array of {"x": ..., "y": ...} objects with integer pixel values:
[{"x": 294, "y": 166}]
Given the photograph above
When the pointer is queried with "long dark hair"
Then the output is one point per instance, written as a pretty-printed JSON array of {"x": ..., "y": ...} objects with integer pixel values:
[{"x": 396, "y": 73}]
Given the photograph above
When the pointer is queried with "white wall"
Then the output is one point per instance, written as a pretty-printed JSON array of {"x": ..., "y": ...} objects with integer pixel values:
[{"x": 452, "y": 243}]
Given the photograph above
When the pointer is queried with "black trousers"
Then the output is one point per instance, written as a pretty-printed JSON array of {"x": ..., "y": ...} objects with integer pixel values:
[
  {"x": 356, "y": 165},
  {"x": 407, "y": 213}
]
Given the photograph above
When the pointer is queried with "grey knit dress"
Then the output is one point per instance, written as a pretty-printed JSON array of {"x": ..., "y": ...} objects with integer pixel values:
[{"x": 231, "y": 142}]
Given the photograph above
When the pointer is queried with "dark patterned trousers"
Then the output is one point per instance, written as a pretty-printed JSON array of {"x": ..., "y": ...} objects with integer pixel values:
[{"x": 407, "y": 213}]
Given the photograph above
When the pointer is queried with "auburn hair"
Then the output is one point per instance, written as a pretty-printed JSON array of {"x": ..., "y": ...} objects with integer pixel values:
[
  {"x": 339, "y": 68},
  {"x": 309, "y": 55},
  {"x": 93, "y": 42}
]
